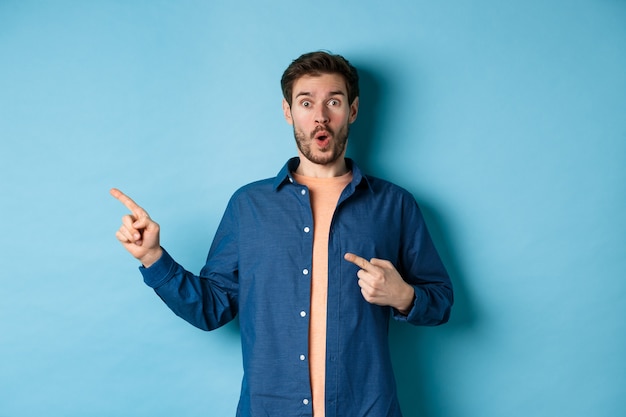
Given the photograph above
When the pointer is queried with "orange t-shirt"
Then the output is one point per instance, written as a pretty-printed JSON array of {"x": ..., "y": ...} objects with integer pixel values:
[{"x": 324, "y": 194}]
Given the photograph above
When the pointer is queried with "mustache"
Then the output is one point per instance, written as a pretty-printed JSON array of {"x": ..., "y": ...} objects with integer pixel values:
[{"x": 322, "y": 129}]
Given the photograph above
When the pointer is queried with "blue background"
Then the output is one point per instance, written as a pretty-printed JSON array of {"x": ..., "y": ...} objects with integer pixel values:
[{"x": 505, "y": 119}]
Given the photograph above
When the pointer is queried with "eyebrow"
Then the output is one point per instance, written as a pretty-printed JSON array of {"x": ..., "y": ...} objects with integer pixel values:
[{"x": 332, "y": 93}]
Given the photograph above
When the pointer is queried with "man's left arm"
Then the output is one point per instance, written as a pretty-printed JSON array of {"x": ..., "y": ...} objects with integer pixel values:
[{"x": 418, "y": 286}]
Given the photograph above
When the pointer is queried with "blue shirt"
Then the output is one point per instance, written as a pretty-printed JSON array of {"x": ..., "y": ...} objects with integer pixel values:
[{"x": 259, "y": 267}]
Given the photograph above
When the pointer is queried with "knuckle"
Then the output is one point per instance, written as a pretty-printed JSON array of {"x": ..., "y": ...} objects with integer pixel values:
[
  {"x": 120, "y": 236},
  {"x": 378, "y": 275}
]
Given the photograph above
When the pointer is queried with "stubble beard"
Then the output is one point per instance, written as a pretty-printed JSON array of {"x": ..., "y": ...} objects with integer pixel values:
[{"x": 322, "y": 156}]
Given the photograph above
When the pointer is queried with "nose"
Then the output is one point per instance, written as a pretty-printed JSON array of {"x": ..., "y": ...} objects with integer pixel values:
[{"x": 321, "y": 116}]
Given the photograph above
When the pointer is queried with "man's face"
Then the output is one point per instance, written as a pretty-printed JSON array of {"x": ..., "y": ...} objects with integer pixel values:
[{"x": 320, "y": 115}]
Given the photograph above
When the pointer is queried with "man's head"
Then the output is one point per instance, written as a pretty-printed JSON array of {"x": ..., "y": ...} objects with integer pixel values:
[
  {"x": 320, "y": 102},
  {"x": 317, "y": 63}
]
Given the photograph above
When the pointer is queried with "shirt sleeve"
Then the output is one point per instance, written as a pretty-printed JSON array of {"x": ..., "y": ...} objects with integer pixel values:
[
  {"x": 208, "y": 300},
  {"x": 422, "y": 268}
]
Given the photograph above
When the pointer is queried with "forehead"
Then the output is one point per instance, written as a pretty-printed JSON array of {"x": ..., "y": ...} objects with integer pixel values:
[{"x": 322, "y": 84}]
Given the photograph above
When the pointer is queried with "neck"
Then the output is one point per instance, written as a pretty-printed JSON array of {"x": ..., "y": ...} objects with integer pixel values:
[{"x": 311, "y": 169}]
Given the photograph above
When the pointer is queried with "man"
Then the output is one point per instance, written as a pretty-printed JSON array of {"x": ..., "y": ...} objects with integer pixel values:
[{"x": 314, "y": 261}]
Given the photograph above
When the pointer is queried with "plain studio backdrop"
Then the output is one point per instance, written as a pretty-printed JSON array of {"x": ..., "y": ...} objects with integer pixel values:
[{"x": 506, "y": 120}]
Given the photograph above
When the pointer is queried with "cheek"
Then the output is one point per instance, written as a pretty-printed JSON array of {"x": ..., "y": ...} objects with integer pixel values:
[
  {"x": 299, "y": 120},
  {"x": 341, "y": 122},
  {"x": 342, "y": 116}
]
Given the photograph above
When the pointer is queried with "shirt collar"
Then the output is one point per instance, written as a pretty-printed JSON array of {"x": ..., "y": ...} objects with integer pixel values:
[{"x": 284, "y": 175}]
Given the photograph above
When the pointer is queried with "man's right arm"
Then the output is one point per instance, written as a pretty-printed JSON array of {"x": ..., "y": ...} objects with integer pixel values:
[{"x": 203, "y": 302}]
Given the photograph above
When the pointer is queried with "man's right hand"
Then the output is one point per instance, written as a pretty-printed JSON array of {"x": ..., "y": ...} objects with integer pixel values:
[{"x": 139, "y": 234}]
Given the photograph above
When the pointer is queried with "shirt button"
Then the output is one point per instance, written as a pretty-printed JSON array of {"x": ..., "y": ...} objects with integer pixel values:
[
  {"x": 302, "y": 357},
  {"x": 305, "y": 401},
  {"x": 303, "y": 313},
  {"x": 307, "y": 230},
  {"x": 303, "y": 192},
  {"x": 305, "y": 271}
]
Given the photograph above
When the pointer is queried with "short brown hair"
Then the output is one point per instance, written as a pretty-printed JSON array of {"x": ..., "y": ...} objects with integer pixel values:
[{"x": 317, "y": 63}]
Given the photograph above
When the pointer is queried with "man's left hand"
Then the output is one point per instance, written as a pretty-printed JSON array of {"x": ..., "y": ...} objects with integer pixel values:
[{"x": 381, "y": 283}]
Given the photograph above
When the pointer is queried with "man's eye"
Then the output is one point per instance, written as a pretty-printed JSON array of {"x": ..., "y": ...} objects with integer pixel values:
[
  {"x": 306, "y": 103},
  {"x": 333, "y": 102}
]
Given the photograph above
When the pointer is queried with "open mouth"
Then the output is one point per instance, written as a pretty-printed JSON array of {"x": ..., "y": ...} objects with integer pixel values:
[{"x": 322, "y": 138}]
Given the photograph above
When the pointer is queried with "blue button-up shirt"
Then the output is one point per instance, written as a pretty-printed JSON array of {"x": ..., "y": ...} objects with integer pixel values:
[{"x": 259, "y": 267}]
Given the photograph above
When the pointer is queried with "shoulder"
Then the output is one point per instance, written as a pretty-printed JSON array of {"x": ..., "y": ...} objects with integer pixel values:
[
  {"x": 248, "y": 196},
  {"x": 260, "y": 187},
  {"x": 391, "y": 196},
  {"x": 267, "y": 185},
  {"x": 387, "y": 188}
]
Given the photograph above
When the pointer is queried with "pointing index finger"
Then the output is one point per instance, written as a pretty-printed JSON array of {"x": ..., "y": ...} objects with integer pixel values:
[
  {"x": 358, "y": 261},
  {"x": 128, "y": 202}
]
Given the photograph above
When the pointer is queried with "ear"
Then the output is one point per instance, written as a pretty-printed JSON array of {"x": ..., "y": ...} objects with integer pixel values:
[
  {"x": 354, "y": 110},
  {"x": 287, "y": 112}
]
